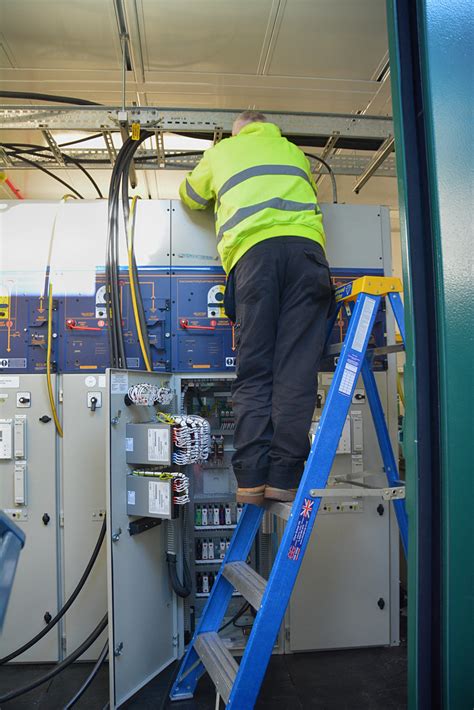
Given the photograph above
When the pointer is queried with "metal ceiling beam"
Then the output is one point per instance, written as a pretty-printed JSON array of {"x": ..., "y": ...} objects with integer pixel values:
[
  {"x": 99, "y": 158},
  {"x": 379, "y": 158},
  {"x": 54, "y": 146},
  {"x": 192, "y": 121},
  {"x": 111, "y": 150}
]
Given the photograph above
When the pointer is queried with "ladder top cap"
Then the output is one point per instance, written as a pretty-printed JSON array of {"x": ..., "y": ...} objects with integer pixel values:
[{"x": 373, "y": 285}]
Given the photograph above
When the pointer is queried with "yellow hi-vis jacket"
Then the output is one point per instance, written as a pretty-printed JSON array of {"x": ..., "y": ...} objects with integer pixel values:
[{"x": 262, "y": 187}]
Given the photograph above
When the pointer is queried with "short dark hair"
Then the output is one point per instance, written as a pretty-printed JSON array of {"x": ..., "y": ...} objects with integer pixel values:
[{"x": 252, "y": 117}]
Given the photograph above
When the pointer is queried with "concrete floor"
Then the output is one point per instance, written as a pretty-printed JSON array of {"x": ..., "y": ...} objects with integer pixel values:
[{"x": 362, "y": 679}]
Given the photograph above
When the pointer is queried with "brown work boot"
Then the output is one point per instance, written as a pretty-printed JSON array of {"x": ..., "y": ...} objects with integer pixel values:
[
  {"x": 254, "y": 496},
  {"x": 284, "y": 495}
]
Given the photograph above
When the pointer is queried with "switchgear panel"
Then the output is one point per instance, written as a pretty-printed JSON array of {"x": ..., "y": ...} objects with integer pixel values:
[
  {"x": 181, "y": 284},
  {"x": 201, "y": 332}
]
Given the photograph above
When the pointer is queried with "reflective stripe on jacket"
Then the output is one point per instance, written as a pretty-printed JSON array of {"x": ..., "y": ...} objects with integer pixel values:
[{"x": 262, "y": 187}]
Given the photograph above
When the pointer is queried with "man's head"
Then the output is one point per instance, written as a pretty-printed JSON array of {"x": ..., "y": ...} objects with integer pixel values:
[{"x": 245, "y": 118}]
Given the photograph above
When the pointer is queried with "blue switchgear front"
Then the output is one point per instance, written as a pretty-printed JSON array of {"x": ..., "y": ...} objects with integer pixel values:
[
  {"x": 85, "y": 346},
  {"x": 186, "y": 324},
  {"x": 201, "y": 332},
  {"x": 23, "y": 333},
  {"x": 79, "y": 330}
]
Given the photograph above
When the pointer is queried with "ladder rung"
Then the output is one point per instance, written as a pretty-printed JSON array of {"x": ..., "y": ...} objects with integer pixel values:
[
  {"x": 283, "y": 510},
  {"x": 218, "y": 662},
  {"x": 243, "y": 578}
]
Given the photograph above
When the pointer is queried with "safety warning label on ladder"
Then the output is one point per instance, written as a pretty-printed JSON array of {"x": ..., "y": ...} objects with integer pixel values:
[{"x": 363, "y": 326}]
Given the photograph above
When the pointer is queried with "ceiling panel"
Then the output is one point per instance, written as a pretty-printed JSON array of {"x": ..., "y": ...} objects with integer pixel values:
[
  {"x": 329, "y": 38},
  {"x": 210, "y": 35},
  {"x": 54, "y": 34},
  {"x": 263, "y": 99}
]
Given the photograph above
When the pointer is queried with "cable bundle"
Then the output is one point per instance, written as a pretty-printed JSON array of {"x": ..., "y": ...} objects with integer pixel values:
[
  {"x": 180, "y": 483},
  {"x": 119, "y": 187},
  {"x": 181, "y": 489},
  {"x": 147, "y": 395},
  {"x": 191, "y": 437}
]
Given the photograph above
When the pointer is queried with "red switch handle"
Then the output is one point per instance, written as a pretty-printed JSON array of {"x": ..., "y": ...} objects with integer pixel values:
[
  {"x": 185, "y": 324},
  {"x": 71, "y": 324}
]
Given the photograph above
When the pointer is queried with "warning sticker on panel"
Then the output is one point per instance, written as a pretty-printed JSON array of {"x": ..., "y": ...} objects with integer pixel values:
[
  {"x": 129, "y": 444},
  {"x": 131, "y": 497},
  {"x": 301, "y": 528},
  {"x": 364, "y": 322},
  {"x": 119, "y": 383},
  {"x": 11, "y": 381},
  {"x": 158, "y": 445},
  {"x": 159, "y": 497}
]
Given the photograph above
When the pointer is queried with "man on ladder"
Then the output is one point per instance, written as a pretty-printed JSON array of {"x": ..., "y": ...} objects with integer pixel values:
[
  {"x": 239, "y": 684},
  {"x": 271, "y": 242}
]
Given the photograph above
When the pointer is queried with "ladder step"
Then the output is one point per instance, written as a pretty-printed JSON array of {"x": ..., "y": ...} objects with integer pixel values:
[
  {"x": 218, "y": 662},
  {"x": 246, "y": 581},
  {"x": 283, "y": 510}
]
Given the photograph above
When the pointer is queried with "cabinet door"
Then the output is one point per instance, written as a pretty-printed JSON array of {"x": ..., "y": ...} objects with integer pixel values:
[
  {"x": 35, "y": 588},
  {"x": 143, "y": 614}
]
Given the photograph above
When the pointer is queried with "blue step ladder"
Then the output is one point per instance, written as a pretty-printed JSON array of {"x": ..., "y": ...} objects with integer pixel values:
[{"x": 239, "y": 684}]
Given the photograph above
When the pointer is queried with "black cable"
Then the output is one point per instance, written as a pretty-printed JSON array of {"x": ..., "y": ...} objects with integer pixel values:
[
  {"x": 33, "y": 95},
  {"x": 331, "y": 174},
  {"x": 182, "y": 589},
  {"x": 81, "y": 140},
  {"x": 67, "y": 605},
  {"x": 67, "y": 159},
  {"x": 90, "y": 677},
  {"x": 137, "y": 290},
  {"x": 60, "y": 666},
  {"x": 112, "y": 274},
  {"x": 236, "y": 616},
  {"x": 55, "y": 177}
]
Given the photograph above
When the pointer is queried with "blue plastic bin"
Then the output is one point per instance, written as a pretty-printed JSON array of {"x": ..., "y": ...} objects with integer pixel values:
[{"x": 12, "y": 539}]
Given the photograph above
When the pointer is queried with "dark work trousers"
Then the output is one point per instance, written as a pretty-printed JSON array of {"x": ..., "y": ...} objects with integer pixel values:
[{"x": 279, "y": 296}]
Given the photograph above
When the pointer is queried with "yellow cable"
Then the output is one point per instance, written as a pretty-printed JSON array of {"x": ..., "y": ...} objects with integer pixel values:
[
  {"x": 48, "y": 362},
  {"x": 130, "y": 229},
  {"x": 400, "y": 388}
]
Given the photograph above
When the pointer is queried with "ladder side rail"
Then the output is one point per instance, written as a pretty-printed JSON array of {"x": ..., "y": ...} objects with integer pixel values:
[
  {"x": 213, "y": 613},
  {"x": 305, "y": 508},
  {"x": 388, "y": 456},
  {"x": 397, "y": 308}
]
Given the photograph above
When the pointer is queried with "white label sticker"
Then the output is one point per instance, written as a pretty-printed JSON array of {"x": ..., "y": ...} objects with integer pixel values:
[
  {"x": 119, "y": 383},
  {"x": 129, "y": 444},
  {"x": 102, "y": 380},
  {"x": 131, "y": 497},
  {"x": 361, "y": 332},
  {"x": 158, "y": 445},
  {"x": 159, "y": 497},
  {"x": 90, "y": 381},
  {"x": 348, "y": 377},
  {"x": 9, "y": 381},
  {"x": 3, "y": 396}
]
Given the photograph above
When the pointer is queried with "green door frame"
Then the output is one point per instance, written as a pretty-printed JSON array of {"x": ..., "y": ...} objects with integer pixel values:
[{"x": 431, "y": 59}]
